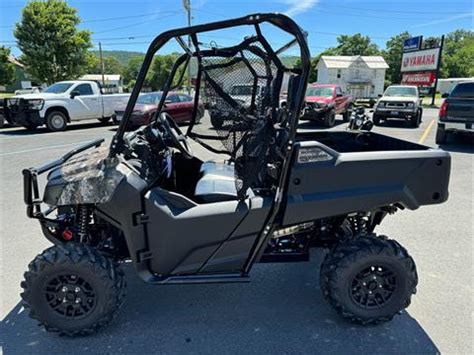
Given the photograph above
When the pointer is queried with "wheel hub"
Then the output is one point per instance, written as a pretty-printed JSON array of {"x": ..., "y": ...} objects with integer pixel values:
[
  {"x": 70, "y": 296},
  {"x": 373, "y": 287}
]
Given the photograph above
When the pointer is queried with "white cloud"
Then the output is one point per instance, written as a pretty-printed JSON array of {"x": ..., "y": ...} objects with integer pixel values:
[
  {"x": 443, "y": 20},
  {"x": 298, "y": 6}
]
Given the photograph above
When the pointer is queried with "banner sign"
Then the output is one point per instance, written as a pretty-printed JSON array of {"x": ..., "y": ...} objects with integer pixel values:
[
  {"x": 426, "y": 59},
  {"x": 412, "y": 44},
  {"x": 419, "y": 79}
]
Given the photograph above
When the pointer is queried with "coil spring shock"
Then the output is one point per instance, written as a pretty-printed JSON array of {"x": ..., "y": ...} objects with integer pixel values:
[
  {"x": 83, "y": 221},
  {"x": 359, "y": 224}
]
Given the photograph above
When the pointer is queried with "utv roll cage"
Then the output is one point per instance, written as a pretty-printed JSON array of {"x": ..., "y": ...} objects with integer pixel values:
[{"x": 261, "y": 50}]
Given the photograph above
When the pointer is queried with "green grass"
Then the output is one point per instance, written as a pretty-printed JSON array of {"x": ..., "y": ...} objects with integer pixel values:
[{"x": 6, "y": 94}]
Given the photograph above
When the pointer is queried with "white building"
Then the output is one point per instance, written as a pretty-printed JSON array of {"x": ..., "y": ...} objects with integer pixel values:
[
  {"x": 360, "y": 76},
  {"x": 113, "y": 82}
]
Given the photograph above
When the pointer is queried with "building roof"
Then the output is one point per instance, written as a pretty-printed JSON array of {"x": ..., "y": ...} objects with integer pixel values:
[
  {"x": 98, "y": 77},
  {"x": 345, "y": 61}
]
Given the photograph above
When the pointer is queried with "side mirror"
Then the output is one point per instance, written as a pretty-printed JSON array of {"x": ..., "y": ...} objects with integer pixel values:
[
  {"x": 74, "y": 93},
  {"x": 379, "y": 95},
  {"x": 445, "y": 95}
]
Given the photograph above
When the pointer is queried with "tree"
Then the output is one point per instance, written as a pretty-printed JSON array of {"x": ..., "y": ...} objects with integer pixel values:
[
  {"x": 7, "y": 69},
  {"x": 111, "y": 66},
  {"x": 393, "y": 56},
  {"x": 52, "y": 46},
  {"x": 356, "y": 45},
  {"x": 458, "y": 54},
  {"x": 160, "y": 70},
  {"x": 131, "y": 70}
]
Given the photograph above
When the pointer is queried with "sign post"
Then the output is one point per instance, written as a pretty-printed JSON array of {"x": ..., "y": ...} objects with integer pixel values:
[{"x": 437, "y": 71}]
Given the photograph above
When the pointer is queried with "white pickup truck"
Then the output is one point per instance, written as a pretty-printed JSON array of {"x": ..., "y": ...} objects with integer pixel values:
[{"x": 62, "y": 103}]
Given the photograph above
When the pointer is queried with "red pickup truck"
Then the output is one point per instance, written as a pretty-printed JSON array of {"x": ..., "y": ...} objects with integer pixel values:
[{"x": 324, "y": 102}]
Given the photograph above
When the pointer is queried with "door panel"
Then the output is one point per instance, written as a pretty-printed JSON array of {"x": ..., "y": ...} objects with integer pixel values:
[{"x": 183, "y": 235}]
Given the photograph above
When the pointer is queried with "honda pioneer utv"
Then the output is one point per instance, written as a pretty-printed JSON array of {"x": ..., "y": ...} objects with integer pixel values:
[{"x": 269, "y": 195}]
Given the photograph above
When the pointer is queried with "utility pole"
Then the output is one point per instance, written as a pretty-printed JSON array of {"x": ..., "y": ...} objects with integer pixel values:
[
  {"x": 102, "y": 65},
  {"x": 437, "y": 70},
  {"x": 187, "y": 7}
]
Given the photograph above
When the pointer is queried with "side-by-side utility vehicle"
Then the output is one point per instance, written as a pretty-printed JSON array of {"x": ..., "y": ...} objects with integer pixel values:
[{"x": 275, "y": 194}]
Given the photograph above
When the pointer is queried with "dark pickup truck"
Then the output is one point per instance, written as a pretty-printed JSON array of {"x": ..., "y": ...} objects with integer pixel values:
[{"x": 456, "y": 114}]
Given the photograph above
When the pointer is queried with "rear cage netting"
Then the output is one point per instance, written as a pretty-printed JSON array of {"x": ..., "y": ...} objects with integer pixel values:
[{"x": 249, "y": 130}]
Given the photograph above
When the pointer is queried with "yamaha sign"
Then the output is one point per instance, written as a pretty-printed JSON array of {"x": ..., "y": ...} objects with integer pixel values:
[{"x": 426, "y": 59}]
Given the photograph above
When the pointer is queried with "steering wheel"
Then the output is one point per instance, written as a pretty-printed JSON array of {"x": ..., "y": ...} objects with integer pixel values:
[{"x": 180, "y": 141}]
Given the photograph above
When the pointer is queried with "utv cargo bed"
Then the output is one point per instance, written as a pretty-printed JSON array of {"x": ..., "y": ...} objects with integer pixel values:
[{"x": 342, "y": 172}]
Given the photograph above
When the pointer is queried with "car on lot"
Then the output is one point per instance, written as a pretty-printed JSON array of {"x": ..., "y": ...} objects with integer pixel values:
[
  {"x": 178, "y": 105},
  {"x": 324, "y": 102},
  {"x": 399, "y": 101},
  {"x": 456, "y": 114},
  {"x": 62, "y": 103}
]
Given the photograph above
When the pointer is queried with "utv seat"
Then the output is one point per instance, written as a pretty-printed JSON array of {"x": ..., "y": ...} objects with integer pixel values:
[{"x": 217, "y": 183}]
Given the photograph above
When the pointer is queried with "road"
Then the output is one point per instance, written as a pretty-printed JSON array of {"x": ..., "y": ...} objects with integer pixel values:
[{"x": 281, "y": 310}]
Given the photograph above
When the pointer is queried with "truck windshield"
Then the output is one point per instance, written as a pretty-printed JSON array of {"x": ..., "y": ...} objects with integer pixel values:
[
  {"x": 149, "y": 99},
  {"x": 58, "y": 88},
  {"x": 312, "y": 91},
  {"x": 241, "y": 90},
  {"x": 400, "y": 91}
]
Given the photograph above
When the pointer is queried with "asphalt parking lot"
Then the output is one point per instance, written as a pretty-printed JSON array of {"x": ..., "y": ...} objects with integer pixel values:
[{"x": 282, "y": 309}]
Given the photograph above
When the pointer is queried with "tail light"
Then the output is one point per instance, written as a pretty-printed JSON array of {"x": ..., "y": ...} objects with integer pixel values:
[{"x": 443, "y": 110}]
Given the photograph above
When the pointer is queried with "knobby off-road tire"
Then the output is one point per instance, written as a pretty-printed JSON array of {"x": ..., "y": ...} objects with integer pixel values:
[
  {"x": 330, "y": 119},
  {"x": 368, "y": 280},
  {"x": 73, "y": 289}
]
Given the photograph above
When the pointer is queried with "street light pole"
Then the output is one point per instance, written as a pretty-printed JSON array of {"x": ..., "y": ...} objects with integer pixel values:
[
  {"x": 187, "y": 7},
  {"x": 102, "y": 65}
]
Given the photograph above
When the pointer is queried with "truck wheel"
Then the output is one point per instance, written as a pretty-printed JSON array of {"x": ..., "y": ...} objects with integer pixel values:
[
  {"x": 376, "y": 120},
  {"x": 73, "y": 289},
  {"x": 347, "y": 114},
  {"x": 104, "y": 120},
  {"x": 330, "y": 119},
  {"x": 441, "y": 136},
  {"x": 2, "y": 121},
  {"x": 217, "y": 121},
  {"x": 416, "y": 120},
  {"x": 56, "y": 121},
  {"x": 368, "y": 280}
]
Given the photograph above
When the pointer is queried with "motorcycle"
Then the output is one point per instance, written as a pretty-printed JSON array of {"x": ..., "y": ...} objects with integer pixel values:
[{"x": 359, "y": 120}]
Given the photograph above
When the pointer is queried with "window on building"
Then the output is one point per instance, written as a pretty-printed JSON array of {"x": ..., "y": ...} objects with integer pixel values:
[{"x": 339, "y": 73}]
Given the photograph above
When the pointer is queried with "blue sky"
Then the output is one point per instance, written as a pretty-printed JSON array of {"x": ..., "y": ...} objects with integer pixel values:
[{"x": 131, "y": 25}]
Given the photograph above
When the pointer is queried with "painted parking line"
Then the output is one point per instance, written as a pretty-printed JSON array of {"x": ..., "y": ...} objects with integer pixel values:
[
  {"x": 426, "y": 132},
  {"x": 43, "y": 148}
]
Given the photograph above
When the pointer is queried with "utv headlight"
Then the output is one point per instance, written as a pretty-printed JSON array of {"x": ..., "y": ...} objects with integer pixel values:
[{"x": 36, "y": 104}]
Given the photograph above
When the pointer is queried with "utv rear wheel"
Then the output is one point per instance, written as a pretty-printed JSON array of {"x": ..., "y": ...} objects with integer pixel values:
[
  {"x": 73, "y": 289},
  {"x": 368, "y": 280},
  {"x": 330, "y": 119},
  {"x": 56, "y": 121}
]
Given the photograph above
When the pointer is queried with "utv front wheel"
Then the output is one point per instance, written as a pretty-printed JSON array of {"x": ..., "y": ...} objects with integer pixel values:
[
  {"x": 368, "y": 280},
  {"x": 73, "y": 289}
]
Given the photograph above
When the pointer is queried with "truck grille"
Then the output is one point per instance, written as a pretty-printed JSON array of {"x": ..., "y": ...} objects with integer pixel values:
[{"x": 397, "y": 105}]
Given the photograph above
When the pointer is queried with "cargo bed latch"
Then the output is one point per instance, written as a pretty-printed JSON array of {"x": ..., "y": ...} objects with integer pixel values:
[
  {"x": 139, "y": 218},
  {"x": 143, "y": 255}
]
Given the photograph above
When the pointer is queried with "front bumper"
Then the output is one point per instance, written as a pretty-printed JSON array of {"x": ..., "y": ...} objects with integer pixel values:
[
  {"x": 313, "y": 112},
  {"x": 18, "y": 111},
  {"x": 394, "y": 112}
]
